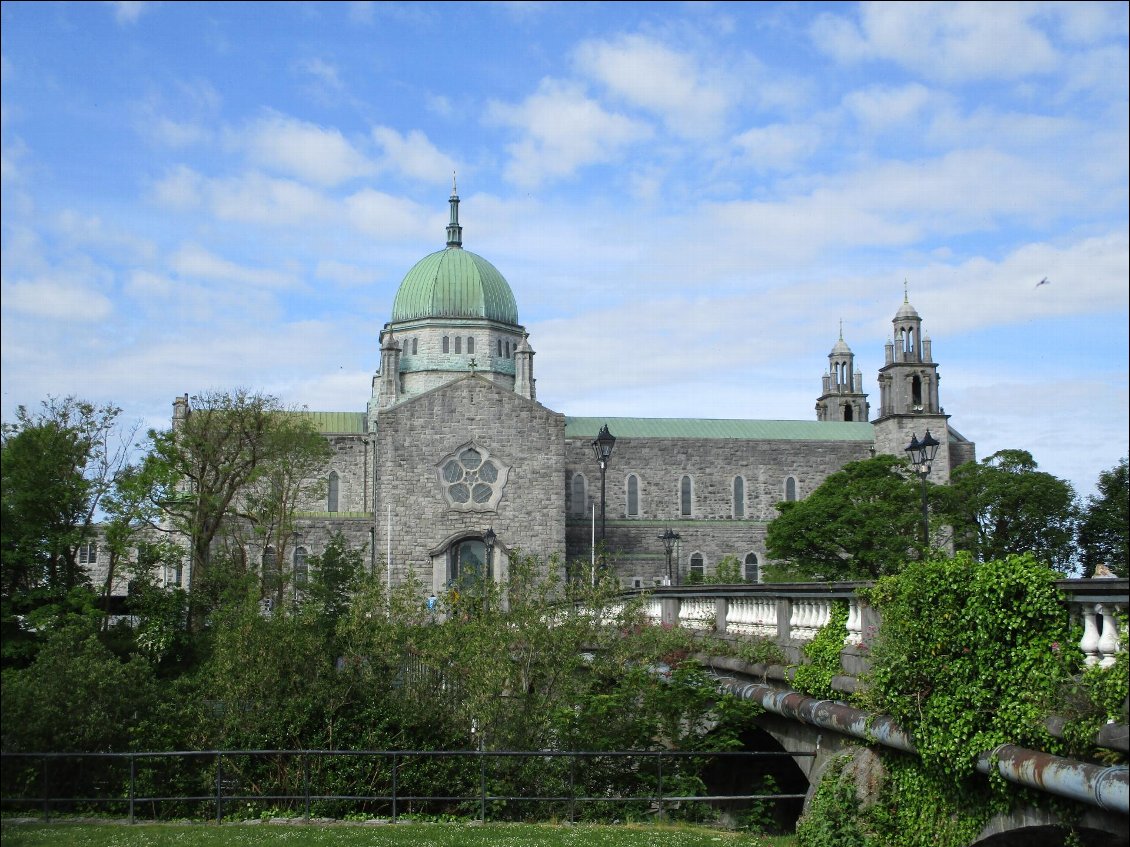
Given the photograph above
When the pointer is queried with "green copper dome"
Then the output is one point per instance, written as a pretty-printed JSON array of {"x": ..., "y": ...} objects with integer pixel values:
[{"x": 454, "y": 283}]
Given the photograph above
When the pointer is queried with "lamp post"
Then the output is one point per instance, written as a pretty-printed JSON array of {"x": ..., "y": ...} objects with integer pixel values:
[
  {"x": 489, "y": 538},
  {"x": 602, "y": 450},
  {"x": 669, "y": 538},
  {"x": 921, "y": 454}
]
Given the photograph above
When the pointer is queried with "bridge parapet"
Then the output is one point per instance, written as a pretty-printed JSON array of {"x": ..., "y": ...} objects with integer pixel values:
[{"x": 792, "y": 613}]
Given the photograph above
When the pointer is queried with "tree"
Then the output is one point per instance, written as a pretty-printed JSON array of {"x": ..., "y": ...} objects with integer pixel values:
[
  {"x": 204, "y": 472},
  {"x": 1104, "y": 532},
  {"x": 862, "y": 522},
  {"x": 1003, "y": 505},
  {"x": 56, "y": 467}
]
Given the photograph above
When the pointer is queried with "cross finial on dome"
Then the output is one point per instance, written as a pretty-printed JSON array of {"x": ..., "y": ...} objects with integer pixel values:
[
  {"x": 841, "y": 329},
  {"x": 905, "y": 290},
  {"x": 454, "y": 230}
]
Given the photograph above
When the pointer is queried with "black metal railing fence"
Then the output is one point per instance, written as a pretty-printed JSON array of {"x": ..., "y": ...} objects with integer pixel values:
[{"x": 483, "y": 784}]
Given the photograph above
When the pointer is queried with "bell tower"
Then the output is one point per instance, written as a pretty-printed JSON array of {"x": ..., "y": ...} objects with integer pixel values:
[
  {"x": 843, "y": 398},
  {"x": 908, "y": 392}
]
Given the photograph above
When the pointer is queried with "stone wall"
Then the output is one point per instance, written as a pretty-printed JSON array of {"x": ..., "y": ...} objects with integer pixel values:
[
  {"x": 520, "y": 435},
  {"x": 712, "y": 530}
]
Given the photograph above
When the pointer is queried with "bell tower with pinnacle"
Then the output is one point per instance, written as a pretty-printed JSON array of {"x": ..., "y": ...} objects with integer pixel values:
[
  {"x": 843, "y": 398},
  {"x": 908, "y": 392}
]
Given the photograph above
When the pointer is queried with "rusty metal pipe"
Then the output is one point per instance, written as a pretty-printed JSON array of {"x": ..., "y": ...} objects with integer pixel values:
[{"x": 1105, "y": 787}]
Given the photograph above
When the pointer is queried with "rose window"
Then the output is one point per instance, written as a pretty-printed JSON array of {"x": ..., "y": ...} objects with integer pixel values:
[{"x": 472, "y": 479}]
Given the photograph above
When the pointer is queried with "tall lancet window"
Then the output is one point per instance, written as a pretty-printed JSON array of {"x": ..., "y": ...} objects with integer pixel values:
[{"x": 332, "y": 485}]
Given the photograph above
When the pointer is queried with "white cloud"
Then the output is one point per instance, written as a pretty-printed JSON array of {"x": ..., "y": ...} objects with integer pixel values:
[
  {"x": 194, "y": 261},
  {"x": 778, "y": 146},
  {"x": 57, "y": 299},
  {"x": 386, "y": 217},
  {"x": 322, "y": 71},
  {"x": 691, "y": 101},
  {"x": 412, "y": 154},
  {"x": 953, "y": 41},
  {"x": 182, "y": 189},
  {"x": 881, "y": 107},
  {"x": 316, "y": 154},
  {"x": 255, "y": 198},
  {"x": 128, "y": 11},
  {"x": 564, "y": 130}
]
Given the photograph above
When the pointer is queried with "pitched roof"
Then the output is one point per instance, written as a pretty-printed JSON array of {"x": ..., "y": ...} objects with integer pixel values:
[{"x": 742, "y": 430}]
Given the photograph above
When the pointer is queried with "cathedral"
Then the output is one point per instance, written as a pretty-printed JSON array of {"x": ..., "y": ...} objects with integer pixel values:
[{"x": 454, "y": 465}]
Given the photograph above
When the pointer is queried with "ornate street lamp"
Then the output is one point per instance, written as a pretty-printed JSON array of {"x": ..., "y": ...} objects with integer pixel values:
[
  {"x": 922, "y": 454},
  {"x": 489, "y": 538},
  {"x": 602, "y": 450},
  {"x": 669, "y": 540}
]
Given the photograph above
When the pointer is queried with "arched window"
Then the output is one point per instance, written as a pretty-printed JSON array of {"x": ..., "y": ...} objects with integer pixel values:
[
  {"x": 848, "y": 413},
  {"x": 469, "y": 564},
  {"x": 470, "y": 344},
  {"x": 752, "y": 571},
  {"x": 697, "y": 568},
  {"x": 790, "y": 489},
  {"x": 577, "y": 501},
  {"x": 458, "y": 344},
  {"x": 686, "y": 497},
  {"x": 446, "y": 344},
  {"x": 739, "y": 497},
  {"x": 301, "y": 569},
  {"x": 500, "y": 348},
  {"x": 331, "y": 492},
  {"x": 633, "y": 506},
  {"x": 916, "y": 391},
  {"x": 414, "y": 350}
]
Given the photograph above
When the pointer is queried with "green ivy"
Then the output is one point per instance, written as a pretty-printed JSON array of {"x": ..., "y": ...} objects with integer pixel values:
[
  {"x": 970, "y": 655},
  {"x": 823, "y": 652}
]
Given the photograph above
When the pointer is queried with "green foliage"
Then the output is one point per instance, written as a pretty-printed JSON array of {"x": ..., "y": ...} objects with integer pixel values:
[
  {"x": 1104, "y": 532},
  {"x": 1003, "y": 505},
  {"x": 967, "y": 654},
  {"x": 56, "y": 465},
  {"x": 970, "y": 655},
  {"x": 235, "y": 454},
  {"x": 832, "y": 819},
  {"x": 75, "y": 696},
  {"x": 728, "y": 571},
  {"x": 823, "y": 652},
  {"x": 859, "y": 524}
]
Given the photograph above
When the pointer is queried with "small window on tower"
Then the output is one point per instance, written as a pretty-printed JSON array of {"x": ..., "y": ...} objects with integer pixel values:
[
  {"x": 414, "y": 351},
  {"x": 446, "y": 344},
  {"x": 458, "y": 344},
  {"x": 470, "y": 344}
]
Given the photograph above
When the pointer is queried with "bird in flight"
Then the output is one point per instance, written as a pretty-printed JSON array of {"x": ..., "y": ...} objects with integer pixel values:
[{"x": 1043, "y": 281}]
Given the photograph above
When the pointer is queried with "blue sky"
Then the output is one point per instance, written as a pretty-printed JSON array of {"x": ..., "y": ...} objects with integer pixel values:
[{"x": 687, "y": 199}]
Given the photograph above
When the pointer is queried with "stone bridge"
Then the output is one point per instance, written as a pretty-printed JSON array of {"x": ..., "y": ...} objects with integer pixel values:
[{"x": 791, "y": 615}]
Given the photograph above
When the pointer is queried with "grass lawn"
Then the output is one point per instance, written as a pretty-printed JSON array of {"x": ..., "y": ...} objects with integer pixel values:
[{"x": 376, "y": 835}]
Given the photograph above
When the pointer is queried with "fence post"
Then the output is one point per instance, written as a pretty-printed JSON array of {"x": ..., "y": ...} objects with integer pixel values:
[
  {"x": 660, "y": 810},
  {"x": 482, "y": 788},
  {"x": 132, "y": 785},
  {"x": 394, "y": 774},
  {"x": 572, "y": 787},
  {"x": 219, "y": 786},
  {"x": 46, "y": 802},
  {"x": 306, "y": 781}
]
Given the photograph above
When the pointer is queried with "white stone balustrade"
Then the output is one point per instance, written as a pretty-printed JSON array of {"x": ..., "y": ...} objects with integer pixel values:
[
  {"x": 1101, "y": 639},
  {"x": 698, "y": 613},
  {"x": 794, "y": 613}
]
